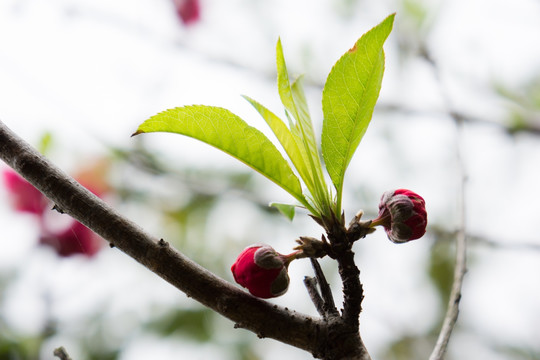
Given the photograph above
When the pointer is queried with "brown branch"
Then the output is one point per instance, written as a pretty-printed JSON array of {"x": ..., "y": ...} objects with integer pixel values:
[
  {"x": 311, "y": 286},
  {"x": 348, "y": 322},
  {"x": 329, "y": 306},
  {"x": 475, "y": 239},
  {"x": 341, "y": 245},
  {"x": 529, "y": 126},
  {"x": 61, "y": 353},
  {"x": 258, "y": 316}
]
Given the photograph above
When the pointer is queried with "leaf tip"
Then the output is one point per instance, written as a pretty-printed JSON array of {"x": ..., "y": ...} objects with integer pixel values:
[
  {"x": 139, "y": 131},
  {"x": 390, "y": 18}
]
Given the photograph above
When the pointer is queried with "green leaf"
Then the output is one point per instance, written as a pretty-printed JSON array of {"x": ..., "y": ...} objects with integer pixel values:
[
  {"x": 284, "y": 85},
  {"x": 286, "y": 209},
  {"x": 294, "y": 100},
  {"x": 226, "y": 131},
  {"x": 295, "y": 152},
  {"x": 305, "y": 133},
  {"x": 349, "y": 97}
]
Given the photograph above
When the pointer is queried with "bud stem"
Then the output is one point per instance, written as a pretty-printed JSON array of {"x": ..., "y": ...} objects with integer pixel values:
[
  {"x": 287, "y": 259},
  {"x": 381, "y": 220}
]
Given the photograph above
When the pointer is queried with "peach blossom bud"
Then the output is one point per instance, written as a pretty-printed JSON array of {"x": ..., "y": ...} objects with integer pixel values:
[
  {"x": 263, "y": 271},
  {"x": 403, "y": 215}
]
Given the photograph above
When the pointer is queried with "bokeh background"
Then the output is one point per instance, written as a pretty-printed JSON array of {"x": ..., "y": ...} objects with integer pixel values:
[{"x": 462, "y": 77}]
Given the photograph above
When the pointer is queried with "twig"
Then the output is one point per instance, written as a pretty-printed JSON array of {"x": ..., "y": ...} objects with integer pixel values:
[
  {"x": 311, "y": 286},
  {"x": 329, "y": 306},
  {"x": 61, "y": 353},
  {"x": 442, "y": 234},
  {"x": 516, "y": 246},
  {"x": 530, "y": 125},
  {"x": 459, "y": 273},
  {"x": 460, "y": 268}
]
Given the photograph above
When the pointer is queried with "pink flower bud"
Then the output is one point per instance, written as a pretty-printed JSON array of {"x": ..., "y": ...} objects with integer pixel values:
[
  {"x": 23, "y": 195},
  {"x": 403, "y": 215},
  {"x": 263, "y": 271}
]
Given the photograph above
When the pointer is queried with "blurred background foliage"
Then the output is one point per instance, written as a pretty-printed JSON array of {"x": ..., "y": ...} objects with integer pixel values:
[{"x": 107, "y": 307}]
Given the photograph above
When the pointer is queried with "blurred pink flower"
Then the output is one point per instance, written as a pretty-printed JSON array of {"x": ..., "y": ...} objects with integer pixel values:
[
  {"x": 68, "y": 240},
  {"x": 187, "y": 10},
  {"x": 24, "y": 197},
  {"x": 76, "y": 239}
]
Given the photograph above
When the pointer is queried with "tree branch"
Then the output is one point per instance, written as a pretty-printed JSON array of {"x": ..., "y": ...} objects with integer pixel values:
[
  {"x": 61, "y": 353},
  {"x": 258, "y": 316},
  {"x": 460, "y": 267},
  {"x": 311, "y": 286},
  {"x": 348, "y": 323},
  {"x": 329, "y": 306}
]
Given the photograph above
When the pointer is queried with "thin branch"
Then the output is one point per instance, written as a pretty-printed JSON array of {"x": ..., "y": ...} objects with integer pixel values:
[
  {"x": 442, "y": 234},
  {"x": 261, "y": 317},
  {"x": 329, "y": 306},
  {"x": 61, "y": 353},
  {"x": 311, "y": 286},
  {"x": 460, "y": 268},
  {"x": 529, "y": 126},
  {"x": 516, "y": 246}
]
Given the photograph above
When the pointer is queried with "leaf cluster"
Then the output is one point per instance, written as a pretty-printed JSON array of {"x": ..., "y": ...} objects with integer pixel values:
[{"x": 348, "y": 101}]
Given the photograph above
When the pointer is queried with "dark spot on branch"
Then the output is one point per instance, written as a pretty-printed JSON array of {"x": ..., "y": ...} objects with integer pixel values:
[
  {"x": 57, "y": 208},
  {"x": 163, "y": 243},
  {"x": 61, "y": 353}
]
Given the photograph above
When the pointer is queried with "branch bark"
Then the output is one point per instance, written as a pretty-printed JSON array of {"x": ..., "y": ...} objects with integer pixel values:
[
  {"x": 329, "y": 307},
  {"x": 258, "y": 316},
  {"x": 343, "y": 331}
]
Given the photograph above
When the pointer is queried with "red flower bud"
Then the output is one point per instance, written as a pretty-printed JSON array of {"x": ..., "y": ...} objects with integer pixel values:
[
  {"x": 263, "y": 271},
  {"x": 403, "y": 215}
]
